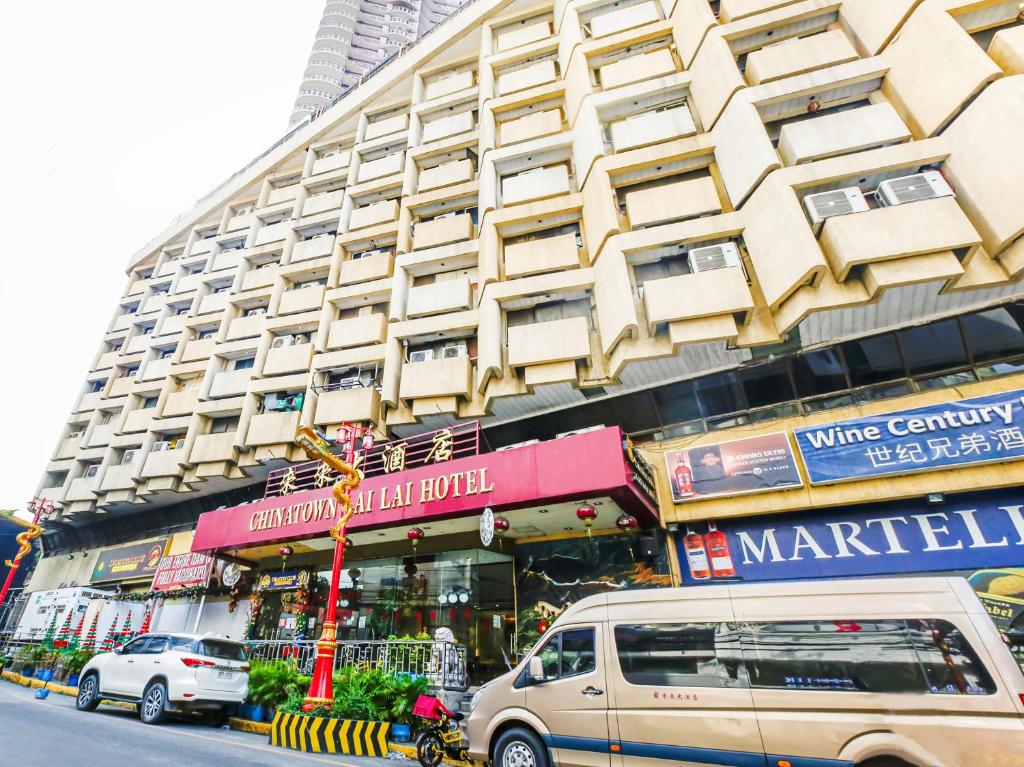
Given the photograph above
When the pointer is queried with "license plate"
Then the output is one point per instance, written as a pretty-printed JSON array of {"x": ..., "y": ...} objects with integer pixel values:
[{"x": 225, "y": 675}]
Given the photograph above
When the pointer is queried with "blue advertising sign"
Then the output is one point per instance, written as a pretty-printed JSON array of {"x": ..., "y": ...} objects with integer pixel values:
[
  {"x": 978, "y": 430},
  {"x": 983, "y": 531}
]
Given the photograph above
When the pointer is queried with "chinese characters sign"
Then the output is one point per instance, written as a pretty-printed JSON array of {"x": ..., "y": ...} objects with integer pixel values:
[
  {"x": 748, "y": 465},
  {"x": 178, "y": 570},
  {"x": 978, "y": 430}
]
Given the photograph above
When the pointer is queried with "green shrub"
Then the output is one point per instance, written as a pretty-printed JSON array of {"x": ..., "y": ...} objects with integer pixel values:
[
  {"x": 269, "y": 682},
  {"x": 73, "y": 661},
  {"x": 368, "y": 694}
]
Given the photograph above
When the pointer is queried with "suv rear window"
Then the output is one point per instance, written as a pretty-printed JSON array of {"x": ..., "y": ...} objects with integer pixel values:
[{"x": 222, "y": 650}]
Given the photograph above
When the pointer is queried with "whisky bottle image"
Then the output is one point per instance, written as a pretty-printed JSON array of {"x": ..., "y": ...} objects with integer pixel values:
[
  {"x": 684, "y": 480},
  {"x": 718, "y": 551},
  {"x": 696, "y": 556}
]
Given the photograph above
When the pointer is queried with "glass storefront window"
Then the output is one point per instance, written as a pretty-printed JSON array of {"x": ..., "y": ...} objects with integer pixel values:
[
  {"x": 873, "y": 360},
  {"x": 934, "y": 347}
]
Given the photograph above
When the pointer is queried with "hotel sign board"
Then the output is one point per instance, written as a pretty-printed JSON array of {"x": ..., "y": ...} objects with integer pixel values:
[{"x": 971, "y": 431}]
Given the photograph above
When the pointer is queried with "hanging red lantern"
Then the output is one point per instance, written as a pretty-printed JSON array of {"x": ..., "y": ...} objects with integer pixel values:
[
  {"x": 627, "y": 523},
  {"x": 285, "y": 552},
  {"x": 586, "y": 514},
  {"x": 415, "y": 535},
  {"x": 501, "y": 525}
]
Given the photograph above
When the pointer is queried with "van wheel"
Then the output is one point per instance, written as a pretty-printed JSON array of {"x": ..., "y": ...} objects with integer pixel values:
[
  {"x": 154, "y": 699},
  {"x": 519, "y": 747},
  {"x": 884, "y": 761}
]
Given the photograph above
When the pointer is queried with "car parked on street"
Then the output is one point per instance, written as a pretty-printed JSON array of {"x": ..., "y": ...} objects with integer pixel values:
[
  {"x": 886, "y": 672},
  {"x": 169, "y": 674}
]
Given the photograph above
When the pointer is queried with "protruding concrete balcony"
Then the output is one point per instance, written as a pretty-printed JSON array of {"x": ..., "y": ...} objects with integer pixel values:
[
  {"x": 213, "y": 302},
  {"x": 227, "y": 259},
  {"x": 82, "y": 489},
  {"x": 186, "y": 284},
  {"x": 259, "y": 278},
  {"x": 155, "y": 369},
  {"x": 138, "y": 420},
  {"x": 544, "y": 255},
  {"x": 439, "y": 298},
  {"x": 646, "y": 66},
  {"x": 853, "y": 130},
  {"x": 652, "y": 128},
  {"x": 361, "y": 403},
  {"x": 246, "y": 327},
  {"x": 101, "y": 434},
  {"x": 445, "y": 175},
  {"x": 212, "y": 448},
  {"x": 273, "y": 428},
  {"x": 446, "y": 85},
  {"x": 288, "y": 359},
  {"x": 796, "y": 57},
  {"x": 230, "y": 383},
  {"x": 356, "y": 270},
  {"x": 442, "y": 231},
  {"x": 717, "y": 293},
  {"x": 318, "y": 247},
  {"x": 318, "y": 203},
  {"x": 55, "y": 494},
  {"x": 882, "y": 234},
  {"x": 173, "y": 324},
  {"x": 377, "y": 213},
  {"x": 677, "y": 201},
  {"x": 105, "y": 361},
  {"x": 358, "y": 331},
  {"x": 444, "y": 127},
  {"x": 332, "y": 162},
  {"x": 540, "y": 343},
  {"x": 123, "y": 321},
  {"x": 90, "y": 401},
  {"x": 181, "y": 403},
  {"x": 516, "y": 35},
  {"x": 120, "y": 477},
  {"x": 531, "y": 126},
  {"x": 386, "y": 127},
  {"x": 536, "y": 184},
  {"x": 381, "y": 167},
  {"x": 625, "y": 18},
  {"x": 67, "y": 448},
  {"x": 201, "y": 246},
  {"x": 138, "y": 343},
  {"x": 197, "y": 349},
  {"x": 236, "y": 223},
  {"x": 527, "y": 77},
  {"x": 154, "y": 303},
  {"x": 282, "y": 194},
  {"x": 273, "y": 232},
  {"x": 121, "y": 386},
  {"x": 301, "y": 299},
  {"x": 445, "y": 377},
  {"x": 164, "y": 463}
]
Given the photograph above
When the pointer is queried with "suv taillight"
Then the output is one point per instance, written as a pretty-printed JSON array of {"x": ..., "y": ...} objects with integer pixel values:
[{"x": 196, "y": 663}]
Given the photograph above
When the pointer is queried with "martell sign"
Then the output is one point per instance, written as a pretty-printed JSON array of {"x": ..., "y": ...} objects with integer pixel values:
[{"x": 570, "y": 468}]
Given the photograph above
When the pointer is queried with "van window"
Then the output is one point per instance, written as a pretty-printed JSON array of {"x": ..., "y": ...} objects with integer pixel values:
[
  {"x": 950, "y": 664},
  {"x": 568, "y": 653},
  {"x": 679, "y": 654}
]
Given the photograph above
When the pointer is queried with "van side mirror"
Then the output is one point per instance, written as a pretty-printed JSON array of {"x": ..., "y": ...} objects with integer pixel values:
[{"x": 536, "y": 669}]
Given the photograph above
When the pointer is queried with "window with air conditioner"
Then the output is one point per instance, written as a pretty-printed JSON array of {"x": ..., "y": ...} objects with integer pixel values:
[
  {"x": 837, "y": 202},
  {"x": 919, "y": 186},
  {"x": 457, "y": 349},
  {"x": 91, "y": 470},
  {"x": 76, "y": 434},
  {"x": 223, "y": 424},
  {"x": 256, "y": 311},
  {"x": 281, "y": 342},
  {"x": 714, "y": 257},
  {"x": 421, "y": 355},
  {"x": 95, "y": 387},
  {"x": 204, "y": 334},
  {"x": 128, "y": 457},
  {"x": 161, "y": 446},
  {"x": 164, "y": 354}
]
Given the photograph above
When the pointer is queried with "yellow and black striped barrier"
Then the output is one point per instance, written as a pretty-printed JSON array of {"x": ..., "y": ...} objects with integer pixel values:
[{"x": 329, "y": 736}]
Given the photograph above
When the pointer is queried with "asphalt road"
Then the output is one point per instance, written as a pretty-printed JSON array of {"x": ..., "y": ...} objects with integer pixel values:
[{"x": 51, "y": 732}]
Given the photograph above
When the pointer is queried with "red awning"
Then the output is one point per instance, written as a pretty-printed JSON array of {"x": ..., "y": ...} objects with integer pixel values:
[{"x": 570, "y": 468}]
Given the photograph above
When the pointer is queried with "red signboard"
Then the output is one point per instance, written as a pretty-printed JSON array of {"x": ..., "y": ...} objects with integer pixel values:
[
  {"x": 571, "y": 468},
  {"x": 177, "y": 570}
]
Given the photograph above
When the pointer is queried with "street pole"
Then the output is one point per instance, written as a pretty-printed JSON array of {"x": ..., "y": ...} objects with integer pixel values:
[
  {"x": 321, "y": 686},
  {"x": 40, "y": 508}
]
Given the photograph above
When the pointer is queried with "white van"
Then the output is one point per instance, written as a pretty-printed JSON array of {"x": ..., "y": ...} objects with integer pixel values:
[{"x": 867, "y": 673}]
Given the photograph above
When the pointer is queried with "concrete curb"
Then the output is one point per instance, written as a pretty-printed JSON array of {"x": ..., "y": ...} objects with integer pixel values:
[{"x": 245, "y": 725}]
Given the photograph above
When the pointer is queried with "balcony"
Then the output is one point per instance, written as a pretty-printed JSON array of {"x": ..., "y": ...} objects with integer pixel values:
[
  {"x": 797, "y": 56},
  {"x": 514, "y": 36},
  {"x": 273, "y": 428},
  {"x": 188, "y": 283},
  {"x": 105, "y": 361},
  {"x": 173, "y": 324},
  {"x": 301, "y": 299},
  {"x": 273, "y": 232},
  {"x": 652, "y": 128},
  {"x": 318, "y": 203},
  {"x": 714, "y": 293},
  {"x": 121, "y": 386},
  {"x": 227, "y": 259},
  {"x": 155, "y": 369},
  {"x": 199, "y": 247},
  {"x": 137, "y": 344},
  {"x": 912, "y": 229},
  {"x": 445, "y": 377},
  {"x": 288, "y": 359},
  {"x": 446, "y": 174},
  {"x": 101, "y": 434},
  {"x": 442, "y": 231},
  {"x": 625, "y": 18},
  {"x": 528, "y": 77},
  {"x": 318, "y": 247},
  {"x": 259, "y": 278},
  {"x": 82, "y": 489},
  {"x": 361, "y": 403},
  {"x": 181, "y": 403},
  {"x": 358, "y": 331},
  {"x": 213, "y": 448},
  {"x": 535, "y": 185},
  {"x": 236, "y": 223},
  {"x": 446, "y": 127},
  {"x": 646, "y": 66},
  {"x": 672, "y": 202},
  {"x": 531, "y": 126},
  {"x": 197, "y": 349},
  {"x": 123, "y": 321},
  {"x": 371, "y": 215},
  {"x": 230, "y": 383},
  {"x": 439, "y": 298},
  {"x": 119, "y": 477},
  {"x": 138, "y": 420},
  {"x": 356, "y": 270},
  {"x": 332, "y": 162},
  {"x": 246, "y": 327},
  {"x": 386, "y": 127},
  {"x": 67, "y": 448},
  {"x": 543, "y": 255},
  {"x": 154, "y": 303},
  {"x": 384, "y": 166},
  {"x": 541, "y": 343},
  {"x": 852, "y": 130},
  {"x": 213, "y": 302},
  {"x": 90, "y": 400},
  {"x": 163, "y": 463},
  {"x": 444, "y": 86},
  {"x": 282, "y": 194}
]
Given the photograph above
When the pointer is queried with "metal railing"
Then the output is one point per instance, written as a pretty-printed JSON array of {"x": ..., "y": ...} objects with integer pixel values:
[{"x": 442, "y": 663}]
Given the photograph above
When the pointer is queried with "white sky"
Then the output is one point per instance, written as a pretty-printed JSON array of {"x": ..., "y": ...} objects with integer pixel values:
[{"x": 114, "y": 117}]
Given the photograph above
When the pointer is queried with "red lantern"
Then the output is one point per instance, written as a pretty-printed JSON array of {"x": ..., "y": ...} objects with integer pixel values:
[
  {"x": 627, "y": 523},
  {"x": 501, "y": 525},
  {"x": 285, "y": 552},
  {"x": 415, "y": 535},
  {"x": 586, "y": 514}
]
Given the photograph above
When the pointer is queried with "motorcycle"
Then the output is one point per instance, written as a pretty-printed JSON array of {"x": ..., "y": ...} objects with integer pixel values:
[{"x": 442, "y": 737}]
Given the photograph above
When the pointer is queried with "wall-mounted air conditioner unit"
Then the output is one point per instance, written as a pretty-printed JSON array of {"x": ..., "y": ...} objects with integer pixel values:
[
  {"x": 454, "y": 350},
  {"x": 423, "y": 355},
  {"x": 129, "y": 457},
  {"x": 159, "y": 447},
  {"x": 257, "y": 311},
  {"x": 579, "y": 431},
  {"x": 713, "y": 257},
  {"x": 920, "y": 186},
  {"x": 367, "y": 254},
  {"x": 76, "y": 434},
  {"x": 517, "y": 444},
  {"x": 837, "y": 202},
  {"x": 282, "y": 341}
]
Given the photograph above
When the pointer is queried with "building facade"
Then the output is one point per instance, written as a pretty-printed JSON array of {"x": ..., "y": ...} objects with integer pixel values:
[
  {"x": 696, "y": 222},
  {"x": 355, "y": 36}
]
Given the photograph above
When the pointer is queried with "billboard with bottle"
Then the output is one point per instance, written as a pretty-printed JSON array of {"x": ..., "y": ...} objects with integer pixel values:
[{"x": 748, "y": 465}]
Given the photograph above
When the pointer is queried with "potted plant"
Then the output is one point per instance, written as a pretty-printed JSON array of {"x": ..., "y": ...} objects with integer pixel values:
[
  {"x": 404, "y": 691},
  {"x": 24, "y": 660},
  {"x": 44, "y": 660},
  {"x": 72, "y": 664},
  {"x": 268, "y": 686}
]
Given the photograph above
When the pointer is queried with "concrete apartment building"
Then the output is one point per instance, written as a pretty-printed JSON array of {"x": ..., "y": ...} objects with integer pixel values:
[
  {"x": 355, "y": 36},
  {"x": 697, "y": 221}
]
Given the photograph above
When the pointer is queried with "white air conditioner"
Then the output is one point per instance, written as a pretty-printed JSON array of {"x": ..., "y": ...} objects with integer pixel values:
[
  {"x": 257, "y": 311},
  {"x": 367, "y": 254},
  {"x": 574, "y": 432},
  {"x": 305, "y": 285},
  {"x": 517, "y": 444},
  {"x": 76, "y": 434},
  {"x": 920, "y": 186},
  {"x": 454, "y": 350},
  {"x": 423, "y": 355},
  {"x": 837, "y": 202},
  {"x": 159, "y": 447},
  {"x": 713, "y": 257},
  {"x": 281, "y": 341},
  {"x": 301, "y": 338},
  {"x": 128, "y": 457},
  {"x": 92, "y": 470}
]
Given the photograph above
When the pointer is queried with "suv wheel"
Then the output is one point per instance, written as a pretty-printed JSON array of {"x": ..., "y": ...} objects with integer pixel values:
[
  {"x": 88, "y": 693},
  {"x": 519, "y": 747},
  {"x": 152, "y": 709}
]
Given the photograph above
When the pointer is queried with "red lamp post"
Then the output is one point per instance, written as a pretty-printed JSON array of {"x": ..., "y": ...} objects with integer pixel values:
[
  {"x": 41, "y": 508},
  {"x": 321, "y": 686}
]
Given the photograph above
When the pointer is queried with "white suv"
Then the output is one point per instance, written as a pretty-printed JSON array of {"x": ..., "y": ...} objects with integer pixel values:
[{"x": 169, "y": 673}]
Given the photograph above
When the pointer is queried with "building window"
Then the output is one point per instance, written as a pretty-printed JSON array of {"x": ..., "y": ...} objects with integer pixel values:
[
  {"x": 223, "y": 424},
  {"x": 932, "y": 347},
  {"x": 243, "y": 363},
  {"x": 97, "y": 386},
  {"x": 149, "y": 402}
]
